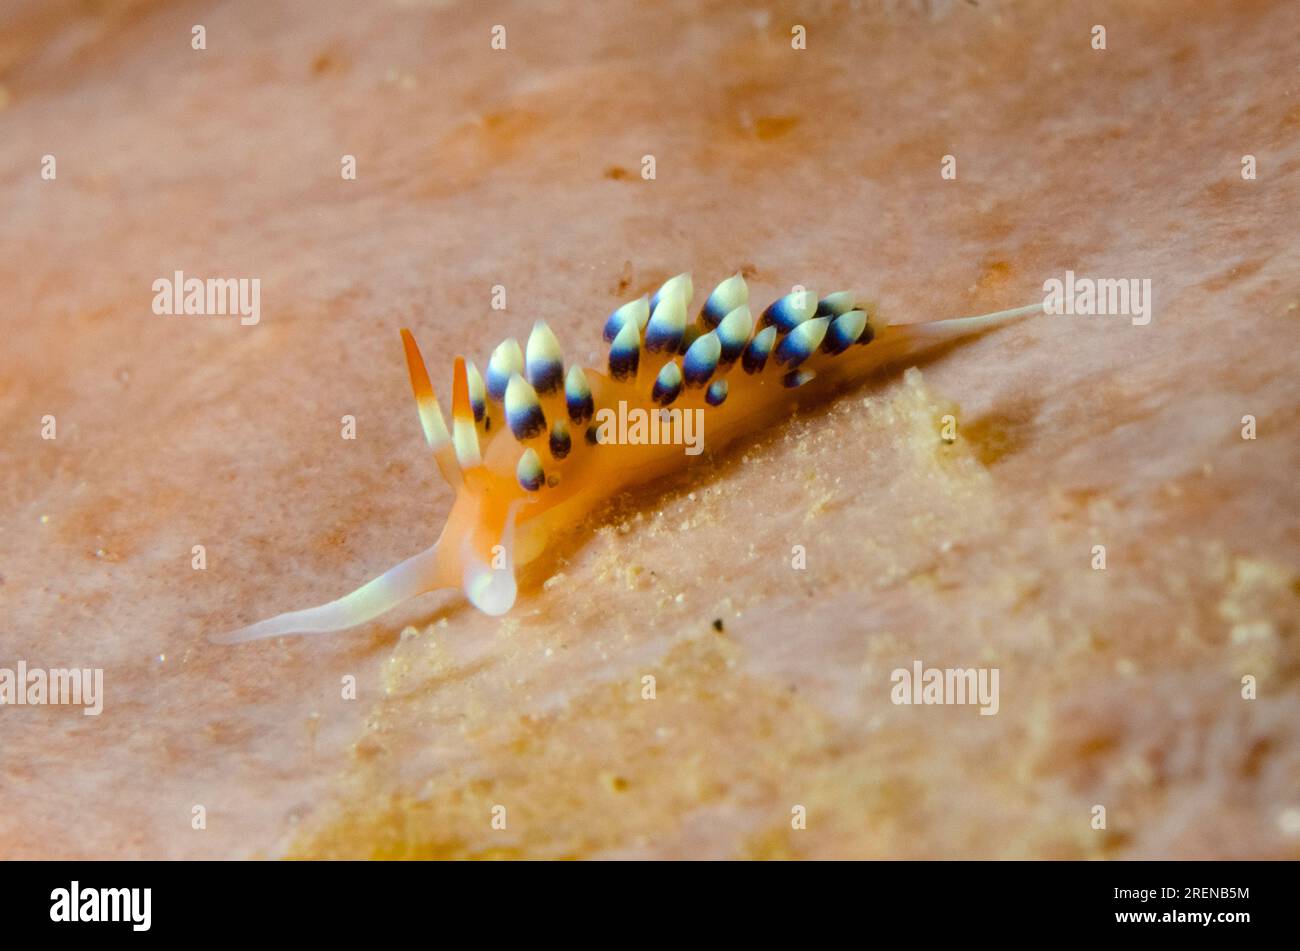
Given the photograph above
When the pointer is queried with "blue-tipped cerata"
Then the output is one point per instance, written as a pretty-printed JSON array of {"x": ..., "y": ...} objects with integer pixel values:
[
  {"x": 701, "y": 359},
  {"x": 679, "y": 285},
  {"x": 791, "y": 310},
  {"x": 636, "y": 311},
  {"x": 668, "y": 384},
  {"x": 577, "y": 395},
  {"x": 733, "y": 333},
  {"x": 759, "y": 349},
  {"x": 524, "y": 413},
  {"x": 832, "y": 305},
  {"x": 802, "y": 342},
  {"x": 726, "y": 297},
  {"x": 716, "y": 393},
  {"x": 477, "y": 391},
  {"x": 844, "y": 331},
  {"x": 667, "y": 325},
  {"x": 506, "y": 360},
  {"x": 543, "y": 360},
  {"x": 560, "y": 442},
  {"x": 625, "y": 352},
  {"x": 529, "y": 471}
]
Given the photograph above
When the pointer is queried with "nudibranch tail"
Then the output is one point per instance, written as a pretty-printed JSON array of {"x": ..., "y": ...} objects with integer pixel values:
[
  {"x": 535, "y": 445},
  {"x": 963, "y": 326}
]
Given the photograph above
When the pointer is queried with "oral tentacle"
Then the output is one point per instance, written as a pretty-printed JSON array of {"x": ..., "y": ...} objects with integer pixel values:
[{"x": 411, "y": 578}]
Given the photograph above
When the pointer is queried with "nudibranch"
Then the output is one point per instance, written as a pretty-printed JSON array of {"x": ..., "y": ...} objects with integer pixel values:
[{"x": 533, "y": 446}]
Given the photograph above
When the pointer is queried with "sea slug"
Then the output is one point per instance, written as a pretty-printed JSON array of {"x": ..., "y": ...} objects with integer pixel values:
[{"x": 533, "y": 447}]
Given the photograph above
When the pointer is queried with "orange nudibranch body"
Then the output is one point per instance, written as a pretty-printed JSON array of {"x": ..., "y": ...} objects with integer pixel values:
[{"x": 533, "y": 448}]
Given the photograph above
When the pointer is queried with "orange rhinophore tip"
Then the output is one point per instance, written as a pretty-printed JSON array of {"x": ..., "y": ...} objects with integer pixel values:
[{"x": 426, "y": 403}]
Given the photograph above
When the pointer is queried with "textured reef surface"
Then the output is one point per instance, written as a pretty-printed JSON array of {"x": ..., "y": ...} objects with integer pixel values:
[{"x": 523, "y": 169}]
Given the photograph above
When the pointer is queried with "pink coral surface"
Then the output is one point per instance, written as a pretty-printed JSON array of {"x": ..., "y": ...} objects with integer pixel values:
[{"x": 522, "y": 168}]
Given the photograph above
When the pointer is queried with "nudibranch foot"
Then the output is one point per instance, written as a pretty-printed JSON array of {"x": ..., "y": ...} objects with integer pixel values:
[{"x": 535, "y": 447}]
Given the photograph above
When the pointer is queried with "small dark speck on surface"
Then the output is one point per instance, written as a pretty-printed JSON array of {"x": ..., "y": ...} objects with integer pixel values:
[{"x": 625, "y": 278}]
